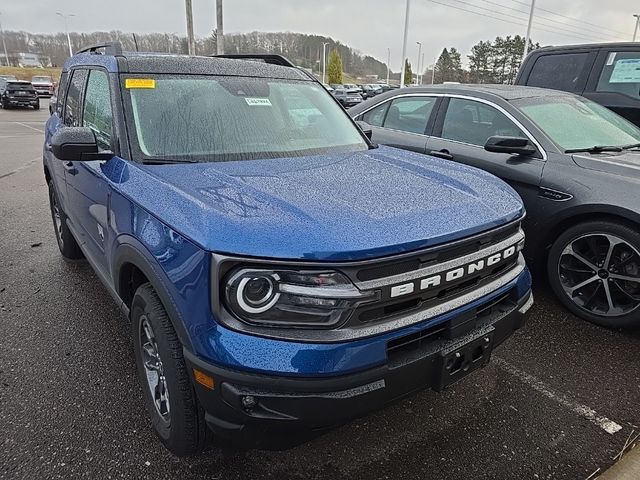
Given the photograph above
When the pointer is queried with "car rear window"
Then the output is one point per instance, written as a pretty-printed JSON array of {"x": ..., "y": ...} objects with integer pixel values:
[
  {"x": 621, "y": 74},
  {"x": 19, "y": 86},
  {"x": 41, "y": 79}
]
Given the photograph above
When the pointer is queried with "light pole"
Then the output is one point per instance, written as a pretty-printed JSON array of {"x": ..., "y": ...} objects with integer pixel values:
[
  {"x": 4, "y": 45},
  {"x": 66, "y": 17},
  {"x": 388, "y": 63},
  {"x": 635, "y": 32},
  {"x": 191, "y": 43},
  {"x": 418, "y": 62},
  {"x": 433, "y": 70},
  {"x": 422, "y": 70},
  {"x": 404, "y": 44},
  {"x": 219, "y": 29},
  {"x": 528, "y": 35},
  {"x": 324, "y": 61}
]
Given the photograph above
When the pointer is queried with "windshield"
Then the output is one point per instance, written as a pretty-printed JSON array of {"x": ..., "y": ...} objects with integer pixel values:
[
  {"x": 217, "y": 118},
  {"x": 577, "y": 123},
  {"x": 41, "y": 79}
]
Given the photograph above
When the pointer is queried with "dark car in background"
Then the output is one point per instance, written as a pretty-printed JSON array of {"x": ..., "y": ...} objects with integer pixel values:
[
  {"x": 44, "y": 85},
  {"x": 575, "y": 164},
  {"x": 607, "y": 73},
  {"x": 18, "y": 93},
  {"x": 371, "y": 90},
  {"x": 348, "y": 98}
]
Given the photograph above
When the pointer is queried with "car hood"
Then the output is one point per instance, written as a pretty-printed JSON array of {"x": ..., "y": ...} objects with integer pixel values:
[
  {"x": 337, "y": 207},
  {"x": 626, "y": 163}
]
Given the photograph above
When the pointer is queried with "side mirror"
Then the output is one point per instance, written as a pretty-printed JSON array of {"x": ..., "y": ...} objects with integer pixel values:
[
  {"x": 77, "y": 144},
  {"x": 513, "y": 145},
  {"x": 366, "y": 128}
]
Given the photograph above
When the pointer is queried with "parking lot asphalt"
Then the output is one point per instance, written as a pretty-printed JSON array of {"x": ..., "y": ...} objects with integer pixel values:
[{"x": 558, "y": 400}]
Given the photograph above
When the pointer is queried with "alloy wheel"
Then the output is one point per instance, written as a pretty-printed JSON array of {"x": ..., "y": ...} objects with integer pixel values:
[
  {"x": 600, "y": 273},
  {"x": 156, "y": 380},
  {"x": 57, "y": 219}
]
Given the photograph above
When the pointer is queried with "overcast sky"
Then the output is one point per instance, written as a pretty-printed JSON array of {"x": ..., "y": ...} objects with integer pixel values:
[{"x": 370, "y": 26}]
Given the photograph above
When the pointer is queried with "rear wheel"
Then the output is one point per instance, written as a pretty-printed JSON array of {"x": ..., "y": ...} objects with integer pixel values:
[
  {"x": 66, "y": 243},
  {"x": 36, "y": 106},
  {"x": 176, "y": 415},
  {"x": 594, "y": 269}
]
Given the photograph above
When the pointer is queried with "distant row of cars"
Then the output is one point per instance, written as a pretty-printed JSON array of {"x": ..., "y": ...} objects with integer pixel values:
[
  {"x": 21, "y": 93},
  {"x": 350, "y": 94}
]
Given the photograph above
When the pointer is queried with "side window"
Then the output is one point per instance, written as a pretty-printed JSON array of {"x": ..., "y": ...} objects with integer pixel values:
[
  {"x": 97, "y": 113},
  {"x": 375, "y": 116},
  {"x": 73, "y": 104},
  {"x": 62, "y": 91},
  {"x": 472, "y": 122},
  {"x": 410, "y": 114},
  {"x": 560, "y": 72},
  {"x": 621, "y": 74}
]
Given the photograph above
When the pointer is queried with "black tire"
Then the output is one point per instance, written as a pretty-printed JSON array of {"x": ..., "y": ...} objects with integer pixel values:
[
  {"x": 182, "y": 429},
  {"x": 594, "y": 300},
  {"x": 36, "y": 106},
  {"x": 66, "y": 242}
]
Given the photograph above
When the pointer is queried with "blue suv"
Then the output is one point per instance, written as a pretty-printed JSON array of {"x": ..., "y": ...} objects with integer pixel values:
[{"x": 281, "y": 273}]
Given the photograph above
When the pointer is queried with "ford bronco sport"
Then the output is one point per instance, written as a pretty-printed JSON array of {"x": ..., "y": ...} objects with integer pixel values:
[{"x": 281, "y": 273}]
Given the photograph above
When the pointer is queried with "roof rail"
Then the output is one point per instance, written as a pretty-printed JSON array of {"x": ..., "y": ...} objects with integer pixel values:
[
  {"x": 265, "y": 57},
  {"x": 110, "y": 48}
]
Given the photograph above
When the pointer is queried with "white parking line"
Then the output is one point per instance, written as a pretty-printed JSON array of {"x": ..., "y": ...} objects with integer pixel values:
[
  {"x": 29, "y": 126},
  {"x": 604, "y": 423}
]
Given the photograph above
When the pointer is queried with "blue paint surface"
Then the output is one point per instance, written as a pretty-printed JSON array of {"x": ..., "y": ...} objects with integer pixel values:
[{"x": 344, "y": 207}]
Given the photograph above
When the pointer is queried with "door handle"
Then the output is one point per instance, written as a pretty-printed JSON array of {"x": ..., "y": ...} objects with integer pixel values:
[{"x": 441, "y": 154}]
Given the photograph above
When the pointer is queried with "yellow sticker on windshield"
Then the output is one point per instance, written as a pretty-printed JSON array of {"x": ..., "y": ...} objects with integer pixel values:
[{"x": 140, "y": 83}]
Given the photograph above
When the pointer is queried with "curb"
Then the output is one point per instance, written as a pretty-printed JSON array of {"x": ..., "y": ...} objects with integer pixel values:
[{"x": 628, "y": 468}]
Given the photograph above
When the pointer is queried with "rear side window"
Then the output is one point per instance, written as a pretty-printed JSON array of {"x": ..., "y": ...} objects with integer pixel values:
[
  {"x": 560, "y": 72},
  {"x": 62, "y": 91},
  {"x": 73, "y": 105},
  {"x": 97, "y": 114},
  {"x": 410, "y": 114},
  {"x": 621, "y": 74}
]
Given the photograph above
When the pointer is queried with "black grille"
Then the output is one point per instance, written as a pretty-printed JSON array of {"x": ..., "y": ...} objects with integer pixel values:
[
  {"x": 408, "y": 345},
  {"x": 437, "y": 254}
]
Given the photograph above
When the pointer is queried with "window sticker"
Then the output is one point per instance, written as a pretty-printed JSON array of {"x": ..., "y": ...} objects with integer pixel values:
[
  {"x": 140, "y": 83},
  {"x": 611, "y": 58},
  {"x": 257, "y": 102},
  {"x": 626, "y": 71}
]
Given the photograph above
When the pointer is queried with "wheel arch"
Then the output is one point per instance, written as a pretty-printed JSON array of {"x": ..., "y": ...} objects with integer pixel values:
[
  {"x": 132, "y": 268},
  {"x": 582, "y": 214}
]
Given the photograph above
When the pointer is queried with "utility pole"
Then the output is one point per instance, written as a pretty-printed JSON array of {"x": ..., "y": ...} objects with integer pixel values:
[
  {"x": 404, "y": 44},
  {"x": 219, "y": 29},
  {"x": 324, "y": 62},
  {"x": 388, "y": 63},
  {"x": 66, "y": 28},
  {"x": 4, "y": 45},
  {"x": 418, "y": 62},
  {"x": 191, "y": 42},
  {"x": 528, "y": 35},
  {"x": 433, "y": 70},
  {"x": 635, "y": 32}
]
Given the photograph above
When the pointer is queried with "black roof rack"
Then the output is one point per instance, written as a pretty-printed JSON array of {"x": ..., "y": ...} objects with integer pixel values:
[
  {"x": 111, "y": 48},
  {"x": 264, "y": 57}
]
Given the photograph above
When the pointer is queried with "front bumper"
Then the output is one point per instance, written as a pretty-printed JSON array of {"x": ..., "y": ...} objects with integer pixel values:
[{"x": 274, "y": 412}]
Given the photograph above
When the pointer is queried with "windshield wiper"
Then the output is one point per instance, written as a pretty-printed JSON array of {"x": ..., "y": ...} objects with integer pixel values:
[
  {"x": 595, "y": 149},
  {"x": 632, "y": 146},
  {"x": 164, "y": 161}
]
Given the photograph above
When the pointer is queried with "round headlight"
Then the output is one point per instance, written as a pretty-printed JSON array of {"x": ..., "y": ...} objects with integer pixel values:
[{"x": 256, "y": 294}]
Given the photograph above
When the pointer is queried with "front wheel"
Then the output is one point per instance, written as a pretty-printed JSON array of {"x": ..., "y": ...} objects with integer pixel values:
[
  {"x": 36, "y": 106},
  {"x": 69, "y": 248},
  {"x": 594, "y": 269},
  {"x": 176, "y": 415}
]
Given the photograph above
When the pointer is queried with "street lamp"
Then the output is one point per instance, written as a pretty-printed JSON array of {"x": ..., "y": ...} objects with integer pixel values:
[
  {"x": 635, "y": 32},
  {"x": 418, "y": 62},
  {"x": 388, "y": 63},
  {"x": 4, "y": 45},
  {"x": 404, "y": 43},
  {"x": 66, "y": 28},
  {"x": 324, "y": 61}
]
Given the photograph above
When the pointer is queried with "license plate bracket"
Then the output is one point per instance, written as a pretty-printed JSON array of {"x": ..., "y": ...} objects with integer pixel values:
[{"x": 460, "y": 359}]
